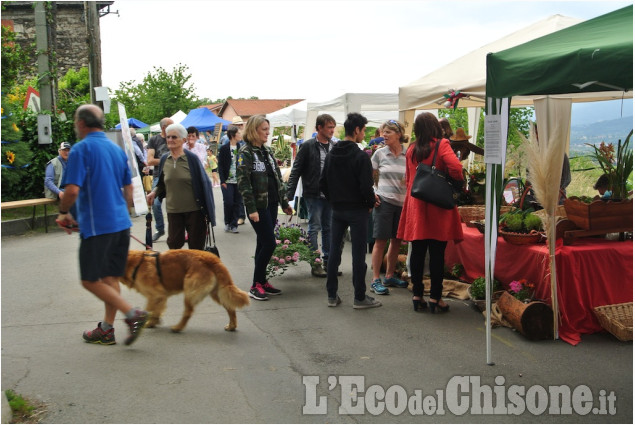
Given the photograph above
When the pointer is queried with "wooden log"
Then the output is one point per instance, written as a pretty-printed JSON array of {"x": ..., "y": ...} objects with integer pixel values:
[{"x": 534, "y": 320}]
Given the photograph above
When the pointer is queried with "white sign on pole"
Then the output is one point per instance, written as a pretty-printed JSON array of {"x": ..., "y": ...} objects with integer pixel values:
[
  {"x": 493, "y": 140},
  {"x": 138, "y": 194}
]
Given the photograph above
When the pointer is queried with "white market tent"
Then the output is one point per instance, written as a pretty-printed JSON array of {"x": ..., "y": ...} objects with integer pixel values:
[
  {"x": 177, "y": 118},
  {"x": 467, "y": 74},
  {"x": 289, "y": 116},
  {"x": 376, "y": 107}
]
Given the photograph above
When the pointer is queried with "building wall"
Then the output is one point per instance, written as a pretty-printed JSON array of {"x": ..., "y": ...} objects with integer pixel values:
[{"x": 67, "y": 31}]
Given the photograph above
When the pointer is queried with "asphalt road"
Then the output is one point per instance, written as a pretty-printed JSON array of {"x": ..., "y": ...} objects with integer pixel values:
[{"x": 292, "y": 360}]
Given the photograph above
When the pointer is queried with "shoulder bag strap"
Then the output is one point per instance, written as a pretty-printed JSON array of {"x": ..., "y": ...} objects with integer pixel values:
[{"x": 434, "y": 158}]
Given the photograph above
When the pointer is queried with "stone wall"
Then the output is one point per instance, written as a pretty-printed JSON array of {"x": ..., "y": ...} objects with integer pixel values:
[{"x": 67, "y": 31}]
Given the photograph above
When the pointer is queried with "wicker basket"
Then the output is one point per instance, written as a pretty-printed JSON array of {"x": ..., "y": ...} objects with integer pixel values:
[
  {"x": 477, "y": 212},
  {"x": 617, "y": 319},
  {"x": 521, "y": 238},
  {"x": 472, "y": 213}
]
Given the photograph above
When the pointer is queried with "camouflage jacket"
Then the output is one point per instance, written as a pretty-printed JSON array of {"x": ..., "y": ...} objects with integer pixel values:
[{"x": 253, "y": 182}]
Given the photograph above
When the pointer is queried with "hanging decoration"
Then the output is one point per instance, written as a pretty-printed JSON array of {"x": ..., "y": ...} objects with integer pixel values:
[{"x": 453, "y": 97}]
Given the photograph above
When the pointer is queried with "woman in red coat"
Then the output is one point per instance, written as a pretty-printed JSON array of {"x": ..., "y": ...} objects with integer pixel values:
[{"x": 427, "y": 226}]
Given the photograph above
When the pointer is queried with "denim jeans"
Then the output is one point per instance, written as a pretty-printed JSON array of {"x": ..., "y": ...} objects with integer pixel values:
[
  {"x": 231, "y": 204},
  {"x": 157, "y": 213},
  {"x": 357, "y": 220},
  {"x": 320, "y": 214},
  {"x": 265, "y": 241},
  {"x": 437, "y": 261}
]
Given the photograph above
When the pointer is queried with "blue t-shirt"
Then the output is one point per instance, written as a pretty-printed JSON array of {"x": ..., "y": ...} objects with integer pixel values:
[{"x": 100, "y": 168}]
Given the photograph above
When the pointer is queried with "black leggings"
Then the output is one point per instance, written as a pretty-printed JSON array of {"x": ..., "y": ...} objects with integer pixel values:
[
  {"x": 437, "y": 261},
  {"x": 265, "y": 241}
]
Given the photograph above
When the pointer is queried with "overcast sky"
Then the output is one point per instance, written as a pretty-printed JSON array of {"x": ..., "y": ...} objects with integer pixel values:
[{"x": 307, "y": 49}]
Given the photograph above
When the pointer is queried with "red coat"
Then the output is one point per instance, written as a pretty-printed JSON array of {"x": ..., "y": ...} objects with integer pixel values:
[{"x": 422, "y": 220}]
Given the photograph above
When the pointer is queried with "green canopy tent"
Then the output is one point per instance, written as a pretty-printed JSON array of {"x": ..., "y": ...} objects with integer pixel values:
[{"x": 589, "y": 61}]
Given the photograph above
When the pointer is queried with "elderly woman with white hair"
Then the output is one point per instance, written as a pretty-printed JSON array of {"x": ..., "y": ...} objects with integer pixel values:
[{"x": 187, "y": 190}]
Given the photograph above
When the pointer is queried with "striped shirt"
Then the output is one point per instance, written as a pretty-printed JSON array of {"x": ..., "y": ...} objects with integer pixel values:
[{"x": 392, "y": 175}]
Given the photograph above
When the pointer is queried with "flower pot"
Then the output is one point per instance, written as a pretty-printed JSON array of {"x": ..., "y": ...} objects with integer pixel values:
[
  {"x": 599, "y": 214},
  {"x": 534, "y": 320},
  {"x": 480, "y": 304}
]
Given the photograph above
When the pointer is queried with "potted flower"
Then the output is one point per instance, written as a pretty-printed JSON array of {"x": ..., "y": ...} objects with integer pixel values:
[
  {"x": 532, "y": 318},
  {"x": 614, "y": 213},
  {"x": 292, "y": 247},
  {"x": 477, "y": 292},
  {"x": 476, "y": 182},
  {"x": 520, "y": 227},
  {"x": 522, "y": 290}
]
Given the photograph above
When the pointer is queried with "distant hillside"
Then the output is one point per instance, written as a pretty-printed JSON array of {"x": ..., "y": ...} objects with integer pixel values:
[{"x": 609, "y": 131}]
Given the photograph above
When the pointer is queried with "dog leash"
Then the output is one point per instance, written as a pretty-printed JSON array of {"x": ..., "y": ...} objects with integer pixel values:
[{"x": 136, "y": 239}]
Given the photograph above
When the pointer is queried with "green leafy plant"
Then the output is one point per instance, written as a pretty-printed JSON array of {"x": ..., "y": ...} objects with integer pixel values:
[
  {"x": 477, "y": 288},
  {"x": 292, "y": 247},
  {"x": 457, "y": 270},
  {"x": 281, "y": 151},
  {"x": 520, "y": 221},
  {"x": 618, "y": 166}
]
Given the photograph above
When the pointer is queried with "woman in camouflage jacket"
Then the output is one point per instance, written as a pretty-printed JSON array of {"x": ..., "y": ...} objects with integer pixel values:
[{"x": 260, "y": 184}]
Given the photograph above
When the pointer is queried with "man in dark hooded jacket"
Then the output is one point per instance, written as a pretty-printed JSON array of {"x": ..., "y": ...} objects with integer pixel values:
[{"x": 347, "y": 183}]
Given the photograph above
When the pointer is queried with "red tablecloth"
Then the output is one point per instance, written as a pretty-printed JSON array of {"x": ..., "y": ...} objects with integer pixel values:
[{"x": 590, "y": 273}]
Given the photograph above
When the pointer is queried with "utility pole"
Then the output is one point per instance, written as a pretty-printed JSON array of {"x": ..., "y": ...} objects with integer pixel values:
[
  {"x": 94, "y": 47},
  {"x": 42, "y": 46}
]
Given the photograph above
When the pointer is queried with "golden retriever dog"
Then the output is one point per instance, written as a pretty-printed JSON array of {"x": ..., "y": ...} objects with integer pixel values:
[{"x": 195, "y": 273}]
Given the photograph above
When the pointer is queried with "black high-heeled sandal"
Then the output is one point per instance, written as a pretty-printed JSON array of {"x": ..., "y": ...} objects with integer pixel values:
[
  {"x": 435, "y": 305},
  {"x": 419, "y": 305}
]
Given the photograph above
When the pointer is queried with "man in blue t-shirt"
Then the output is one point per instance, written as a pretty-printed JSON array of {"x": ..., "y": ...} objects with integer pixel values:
[{"x": 98, "y": 177}]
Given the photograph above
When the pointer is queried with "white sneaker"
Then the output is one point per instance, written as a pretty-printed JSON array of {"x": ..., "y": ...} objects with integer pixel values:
[{"x": 368, "y": 302}]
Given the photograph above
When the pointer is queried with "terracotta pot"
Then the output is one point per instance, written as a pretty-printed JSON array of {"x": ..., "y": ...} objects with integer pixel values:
[
  {"x": 600, "y": 214},
  {"x": 534, "y": 320}
]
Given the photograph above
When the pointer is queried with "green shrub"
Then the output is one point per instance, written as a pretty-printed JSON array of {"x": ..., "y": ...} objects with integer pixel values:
[
  {"x": 514, "y": 223},
  {"x": 532, "y": 222},
  {"x": 478, "y": 288}
]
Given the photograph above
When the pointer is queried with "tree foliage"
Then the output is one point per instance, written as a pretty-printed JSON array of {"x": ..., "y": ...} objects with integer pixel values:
[
  {"x": 160, "y": 94},
  {"x": 16, "y": 154}
]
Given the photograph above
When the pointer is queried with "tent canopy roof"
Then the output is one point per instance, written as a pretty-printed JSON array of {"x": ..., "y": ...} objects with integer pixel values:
[
  {"x": 291, "y": 115},
  {"x": 468, "y": 73},
  {"x": 203, "y": 119},
  {"x": 586, "y": 60},
  {"x": 376, "y": 107},
  {"x": 133, "y": 123}
]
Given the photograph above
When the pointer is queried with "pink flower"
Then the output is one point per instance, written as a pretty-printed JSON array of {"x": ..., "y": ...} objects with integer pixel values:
[
  {"x": 281, "y": 261},
  {"x": 318, "y": 260},
  {"x": 515, "y": 286},
  {"x": 285, "y": 246},
  {"x": 278, "y": 241},
  {"x": 288, "y": 258}
]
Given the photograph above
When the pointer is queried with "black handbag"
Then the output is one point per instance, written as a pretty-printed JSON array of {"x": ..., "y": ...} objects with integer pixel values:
[
  {"x": 433, "y": 186},
  {"x": 210, "y": 241}
]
